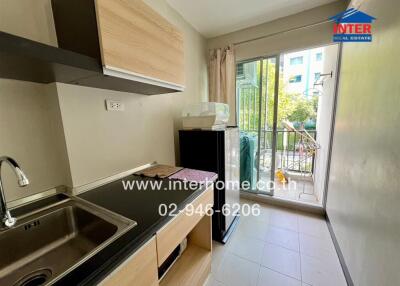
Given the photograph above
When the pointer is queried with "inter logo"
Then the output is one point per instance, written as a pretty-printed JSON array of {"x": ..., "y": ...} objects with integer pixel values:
[{"x": 352, "y": 26}]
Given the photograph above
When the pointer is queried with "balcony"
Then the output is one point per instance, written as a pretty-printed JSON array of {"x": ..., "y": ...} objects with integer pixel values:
[{"x": 291, "y": 158}]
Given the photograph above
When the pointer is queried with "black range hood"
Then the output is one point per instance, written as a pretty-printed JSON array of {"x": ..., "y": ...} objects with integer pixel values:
[{"x": 27, "y": 60}]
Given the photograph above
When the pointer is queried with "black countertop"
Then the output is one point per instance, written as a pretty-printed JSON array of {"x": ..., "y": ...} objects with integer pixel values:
[{"x": 141, "y": 206}]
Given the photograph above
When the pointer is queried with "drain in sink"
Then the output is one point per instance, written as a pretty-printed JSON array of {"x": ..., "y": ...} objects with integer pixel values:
[{"x": 36, "y": 278}]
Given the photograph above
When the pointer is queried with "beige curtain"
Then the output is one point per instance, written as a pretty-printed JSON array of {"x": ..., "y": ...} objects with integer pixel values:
[{"x": 221, "y": 79}]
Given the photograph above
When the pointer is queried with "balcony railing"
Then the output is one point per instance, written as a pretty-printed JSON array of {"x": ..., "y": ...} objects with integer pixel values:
[{"x": 289, "y": 153}]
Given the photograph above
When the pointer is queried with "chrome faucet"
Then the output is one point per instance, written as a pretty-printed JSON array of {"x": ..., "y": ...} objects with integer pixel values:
[{"x": 5, "y": 216}]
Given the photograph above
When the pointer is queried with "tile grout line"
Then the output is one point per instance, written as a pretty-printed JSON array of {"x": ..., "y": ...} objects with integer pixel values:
[
  {"x": 316, "y": 236},
  {"x": 301, "y": 269},
  {"x": 283, "y": 228},
  {"x": 298, "y": 242},
  {"x": 286, "y": 275},
  {"x": 275, "y": 244},
  {"x": 216, "y": 270},
  {"x": 259, "y": 273},
  {"x": 260, "y": 265},
  {"x": 248, "y": 260}
]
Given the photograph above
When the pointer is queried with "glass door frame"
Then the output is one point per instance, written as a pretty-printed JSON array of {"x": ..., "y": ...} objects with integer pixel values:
[
  {"x": 274, "y": 122},
  {"x": 275, "y": 115}
]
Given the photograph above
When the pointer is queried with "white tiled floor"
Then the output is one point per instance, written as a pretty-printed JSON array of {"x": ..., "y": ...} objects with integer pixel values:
[
  {"x": 302, "y": 192},
  {"x": 278, "y": 248}
]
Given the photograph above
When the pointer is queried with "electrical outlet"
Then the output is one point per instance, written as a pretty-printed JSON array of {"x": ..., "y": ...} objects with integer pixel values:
[{"x": 114, "y": 105}]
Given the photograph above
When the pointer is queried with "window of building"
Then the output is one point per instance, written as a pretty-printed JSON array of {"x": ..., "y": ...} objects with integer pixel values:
[
  {"x": 295, "y": 79},
  {"x": 318, "y": 57},
  {"x": 240, "y": 71},
  {"x": 296, "y": 61}
]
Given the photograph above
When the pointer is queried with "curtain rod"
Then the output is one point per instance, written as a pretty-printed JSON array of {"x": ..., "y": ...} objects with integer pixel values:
[{"x": 283, "y": 32}]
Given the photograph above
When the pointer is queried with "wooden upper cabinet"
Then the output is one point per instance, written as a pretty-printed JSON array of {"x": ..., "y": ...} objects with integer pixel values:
[
  {"x": 136, "y": 41},
  {"x": 130, "y": 40}
]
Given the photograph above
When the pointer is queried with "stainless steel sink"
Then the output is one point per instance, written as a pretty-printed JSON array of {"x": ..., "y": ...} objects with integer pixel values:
[{"x": 45, "y": 245}]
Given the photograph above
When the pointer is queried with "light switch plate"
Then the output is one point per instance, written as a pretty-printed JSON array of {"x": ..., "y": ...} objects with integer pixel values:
[{"x": 114, "y": 105}]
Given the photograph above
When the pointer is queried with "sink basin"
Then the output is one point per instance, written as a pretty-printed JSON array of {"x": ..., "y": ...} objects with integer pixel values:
[{"x": 49, "y": 243}]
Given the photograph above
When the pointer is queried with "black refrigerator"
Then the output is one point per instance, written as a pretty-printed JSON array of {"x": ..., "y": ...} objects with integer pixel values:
[{"x": 216, "y": 151}]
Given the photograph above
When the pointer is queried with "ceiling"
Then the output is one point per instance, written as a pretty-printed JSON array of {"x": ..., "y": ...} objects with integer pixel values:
[{"x": 216, "y": 17}]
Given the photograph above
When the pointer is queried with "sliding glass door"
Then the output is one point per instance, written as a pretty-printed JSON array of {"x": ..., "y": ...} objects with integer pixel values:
[
  {"x": 279, "y": 100},
  {"x": 256, "y": 86}
]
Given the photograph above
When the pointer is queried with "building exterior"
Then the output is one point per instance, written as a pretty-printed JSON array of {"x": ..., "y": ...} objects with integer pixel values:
[{"x": 300, "y": 70}]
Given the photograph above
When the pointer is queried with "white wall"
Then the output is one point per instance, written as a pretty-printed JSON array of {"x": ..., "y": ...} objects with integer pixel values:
[
  {"x": 98, "y": 143},
  {"x": 31, "y": 132},
  {"x": 30, "y": 125},
  {"x": 28, "y": 19},
  {"x": 324, "y": 119},
  {"x": 364, "y": 186}
]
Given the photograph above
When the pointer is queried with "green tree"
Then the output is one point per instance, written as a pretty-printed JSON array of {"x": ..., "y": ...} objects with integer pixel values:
[
  {"x": 303, "y": 110},
  {"x": 294, "y": 107}
]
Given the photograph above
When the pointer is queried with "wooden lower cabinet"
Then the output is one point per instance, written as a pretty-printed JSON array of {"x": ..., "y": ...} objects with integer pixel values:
[
  {"x": 138, "y": 270},
  {"x": 194, "y": 266},
  {"x": 177, "y": 229},
  {"x": 191, "y": 268}
]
